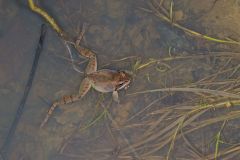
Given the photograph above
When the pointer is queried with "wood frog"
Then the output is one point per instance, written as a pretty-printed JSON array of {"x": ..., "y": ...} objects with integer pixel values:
[{"x": 104, "y": 80}]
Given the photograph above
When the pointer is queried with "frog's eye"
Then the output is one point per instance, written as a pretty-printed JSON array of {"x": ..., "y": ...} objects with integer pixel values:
[{"x": 122, "y": 74}]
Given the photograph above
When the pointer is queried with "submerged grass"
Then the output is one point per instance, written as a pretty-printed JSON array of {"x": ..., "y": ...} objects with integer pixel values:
[
  {"x": 218, "y": 141},
  {"x": 167, "y": 126},
  {"x": 194, "y": 90},
  {"x": 159, "y": 127},
  {"x": 174, "y": 137},
  {"x": 155, "y": 9}
]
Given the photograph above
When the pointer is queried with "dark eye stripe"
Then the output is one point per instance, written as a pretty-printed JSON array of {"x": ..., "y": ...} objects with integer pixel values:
[{"x": 122, "y": 85}]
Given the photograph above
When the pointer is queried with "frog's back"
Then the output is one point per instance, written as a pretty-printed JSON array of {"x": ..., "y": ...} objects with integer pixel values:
[{"x": 103, "y": 80}]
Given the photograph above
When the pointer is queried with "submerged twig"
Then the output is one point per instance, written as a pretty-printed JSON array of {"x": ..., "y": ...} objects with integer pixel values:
[
  {"x": 28, "y": 86},
  {"x": 47, "y": 17}
]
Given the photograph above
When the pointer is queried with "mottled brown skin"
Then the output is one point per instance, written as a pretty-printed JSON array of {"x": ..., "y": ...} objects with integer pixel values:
[
  {"x": 102, "y": 80},
  {"x": 109, "y": 80}
]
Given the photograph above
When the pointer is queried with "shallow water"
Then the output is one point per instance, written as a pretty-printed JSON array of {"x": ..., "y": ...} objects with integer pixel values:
[{"x": 121, "y": 34}]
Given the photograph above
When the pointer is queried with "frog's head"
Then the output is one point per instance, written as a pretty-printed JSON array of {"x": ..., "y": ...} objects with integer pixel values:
[{"x": 125, "y": 79}]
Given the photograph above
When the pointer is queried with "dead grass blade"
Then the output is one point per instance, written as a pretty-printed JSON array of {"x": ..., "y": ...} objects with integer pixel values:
[
  {"x": 194, "y": 90},
  {"x": 157, "y": 13}
]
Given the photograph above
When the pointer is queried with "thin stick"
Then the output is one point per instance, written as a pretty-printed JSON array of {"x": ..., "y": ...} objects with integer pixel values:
[
  {"x": 11, "y": 132},
  {"x": 47, "y": 17}
]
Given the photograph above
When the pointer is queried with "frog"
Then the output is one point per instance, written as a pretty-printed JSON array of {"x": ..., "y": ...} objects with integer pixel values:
[{"x": 103, "y": 80}]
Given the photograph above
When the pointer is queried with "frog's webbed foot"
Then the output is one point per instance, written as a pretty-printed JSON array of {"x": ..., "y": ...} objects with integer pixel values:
[
  {"x": 84, "y": 88},
  {"x": 115, "y": 96}
]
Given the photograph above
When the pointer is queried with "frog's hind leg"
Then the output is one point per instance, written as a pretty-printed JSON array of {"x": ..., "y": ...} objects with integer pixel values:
[
  {"x": 85, "y": 52},
  {"x": 92, "y": 64},
  {"x": 84, "y": 88}
]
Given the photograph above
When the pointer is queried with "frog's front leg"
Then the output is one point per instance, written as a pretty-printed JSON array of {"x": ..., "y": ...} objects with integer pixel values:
[
  {"x": 115, "y": 96},
  {"x": 84, "y": 88}
]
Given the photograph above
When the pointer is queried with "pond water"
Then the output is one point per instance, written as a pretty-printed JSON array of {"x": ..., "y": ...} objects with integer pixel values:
[{"x": 125, "y": 35}]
